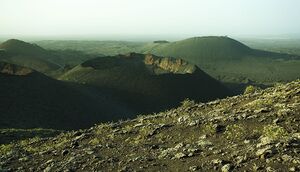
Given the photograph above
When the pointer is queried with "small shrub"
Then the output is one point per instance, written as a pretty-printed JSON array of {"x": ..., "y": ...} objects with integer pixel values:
[
  {"x": 187, "y": 103},
  {"x": 129, "y": 129},
  {"x": 144, "y": 134},
  {"x": 235, "y": 132},
  {"x": 251, "y": 89},
  {"x": 274, "y": 132},
  {"x": 278, "y": 84},
  {"x": 95, "y": 141},
  {"x": 103, "y": 129},
  {"x": 210, "y": 129}
]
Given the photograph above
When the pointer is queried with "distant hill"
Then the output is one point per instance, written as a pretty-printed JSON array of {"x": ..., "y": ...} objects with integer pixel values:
[
  {"x": 213, "y": 48},
  {"x": 231, "y": 61},
  {"x": 147, "y": 82},
  {"x": 222, "y": 57},
  {"x": 161, "y": 41},
  {"x": 203, "y": 49},
  {"x": 107, "y": 48},
  {"x": 288, "y": 46},
  {"x": 32, "y": 56},
  {"x": 30, "y": 99}
]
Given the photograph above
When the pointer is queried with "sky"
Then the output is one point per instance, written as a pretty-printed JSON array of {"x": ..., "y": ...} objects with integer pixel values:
[{"x": 148, "y": 17}]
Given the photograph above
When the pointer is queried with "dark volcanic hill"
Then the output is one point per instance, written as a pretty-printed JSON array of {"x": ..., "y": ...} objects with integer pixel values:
[
  {"x": 147, "y": 82},
  {"x": 42, "y": 60},
  {"x": 14, "y": 46},
  {"x": 26, "y": 54},
  {"x": 231, "y": 61},
  {"x": 253, "y": 132},
  {"x": 30, "y": 99}
]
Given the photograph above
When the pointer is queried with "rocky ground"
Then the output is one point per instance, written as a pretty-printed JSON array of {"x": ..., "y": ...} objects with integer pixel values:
[{"x": 257, "y": 131}]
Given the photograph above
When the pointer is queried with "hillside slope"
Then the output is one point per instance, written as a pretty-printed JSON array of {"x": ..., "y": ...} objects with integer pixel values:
[
  {"x": 147, "y": 83},
  {"x": 30, "y": 99},
  {"x": 253, "y": 132}
]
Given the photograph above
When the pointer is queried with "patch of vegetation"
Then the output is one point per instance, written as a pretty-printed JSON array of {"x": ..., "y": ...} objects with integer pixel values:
[
  {"x": 27, "y": 145},
  {"x": 261, "y": 103},
  {"x": 34, "y": 145}
]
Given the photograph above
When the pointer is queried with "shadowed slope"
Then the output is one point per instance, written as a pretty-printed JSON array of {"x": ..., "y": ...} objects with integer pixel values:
[
  {"x": 147, "y": 82},
  {"x": 32, "y": 100}
]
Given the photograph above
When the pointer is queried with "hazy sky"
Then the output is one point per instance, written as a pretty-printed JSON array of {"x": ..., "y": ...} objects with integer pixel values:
[{"x": 149, "y": 17}]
